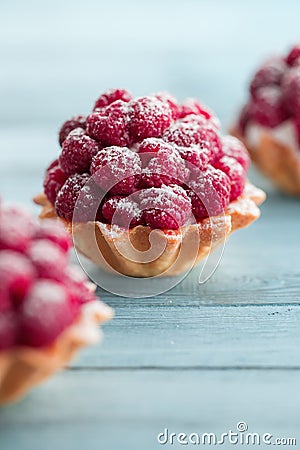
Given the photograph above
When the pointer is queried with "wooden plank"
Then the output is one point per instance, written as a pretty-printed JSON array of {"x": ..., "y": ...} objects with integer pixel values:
[
  {"x": 126, "y": 410},
  {"x": 169, "y": 335}
]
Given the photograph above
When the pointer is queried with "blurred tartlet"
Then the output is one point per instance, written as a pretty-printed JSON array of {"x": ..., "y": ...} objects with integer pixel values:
[
  {"x": 137, "y": 169},
  {"x": 48, "y": 309},
  {"x": 269, "y": 124}
]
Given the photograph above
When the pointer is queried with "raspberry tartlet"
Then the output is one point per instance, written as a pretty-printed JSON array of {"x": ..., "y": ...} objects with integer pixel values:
[
  {"x": 269, "y": 123},
  {"x": 48, "y": 309},
  {"x": 147, "y": 185}
]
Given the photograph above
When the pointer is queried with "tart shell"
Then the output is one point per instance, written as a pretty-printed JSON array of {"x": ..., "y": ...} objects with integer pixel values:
[
  {"x": 22, "y": 368},
  {"x": 277, "y": 161},
  {"x": 112, "y": 247}
]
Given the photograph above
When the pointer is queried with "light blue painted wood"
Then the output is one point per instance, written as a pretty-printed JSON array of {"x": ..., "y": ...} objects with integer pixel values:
[
  {"x": 167, "y": 335},
  {"x": 127, "y": 409}
]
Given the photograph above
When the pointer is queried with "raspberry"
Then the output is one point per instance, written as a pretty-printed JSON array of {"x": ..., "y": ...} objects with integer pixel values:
[
  {"x": 45, "y": 313},
  {"x": 192, "y": 106},
  {"x": 165, "y": 97},
  {"x": 54, "y": 180},
  {"x": 16, "y": 228},
  {"x": 269, "y": 74},
  {"x": 8, "y": 330},
  {"x": 152, "y": 145},
  {"x": 17, "y": 274},
  {"x": 166, "y": 167},
  {"x": 77, "y": 152},
  {"x": 291, "y": 90},
  {"x": 116, "y": 169},
  {"x": 167, "y": 207},
  {"x": 297, "y": 126},
  {"x": 293, "y": 58},
  {"x": 111, "y": 95},
  {"x": 244, "y": 118},
  {"x": 194, "y": 132},
  {"x": 234, "y": 148},
  {"x": 267, "y": 108},
  {"x": 235, "y": 173},
  {"x": 39, "y": 295},
  {"x": 49, "y": 260},
  {"x": 5, "y": 300},
  {"x": 78, "y": 286},
  {"x": 209, "y": 193},
  {"x": 110, "y": 125},
  {"x": 69, "y": 125},
  {"x": 149, "y": 117},
  {"x": 55, "y": 233},
  {"x": 89, "y": 203},
  {"x": 122, "y": 211},
  {"x": 68, "y": 195},
  {"x": 197, "y": 156}
]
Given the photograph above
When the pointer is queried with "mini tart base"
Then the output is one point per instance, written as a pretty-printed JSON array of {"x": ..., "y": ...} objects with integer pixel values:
[
  {"x": 112, "y": 247},
  {"x": 279, "y": 162},
  {"x": 22, "y": 368}
]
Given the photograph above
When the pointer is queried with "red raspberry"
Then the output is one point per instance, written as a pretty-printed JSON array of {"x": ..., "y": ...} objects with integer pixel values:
[
  {"x": 5, "y": 300},
  {"x": 110, "y": 125},
  {"x": 267, "y": 108},
  {"x": 148, "y": 147},
  {"x": 166, "y": 167},
  {"x": 17, "y": 227},
  {"x": 291, "y": 90},
  {"x": 244, "y": 118},
  {"x": 199, "y": 157},
  {"x": 55, "y": 233},
  {"x": 297, "y": 125},
  {"x": 111, "y": 95},
  {"x": 167, "y": 207},
  {"x": 17, "y": 275},
  {"x": 213, "y": 121},
  {"x": 53, "y": 181},
  {"x": 77, "y": 152},
  {"x": 235, "y": 173},
  {"x": 293, "y": 58},
  {"x": 165, "y": 97},
  {"x": 8, "y": 330},
  {"x": 234, "y": 148},
  {"x": 49, "y": 260},
  {"x": 149, "y": 117},
  {"x": 194, "y": 132},
  {"x": 68, "y": 195},
  {"x": 209, "y": 193},
  {"x": 69, "y": 125},
  {"x": 122, "y": 211},
  {"x": 45, "y": 313},
  {"x": 192, "y": 106},
  {"x": 44, "y": 306},
  {"x": 78, "y": 286},
  {"x": 116, "y": 169},
  {"x": 269, "y": 74}
]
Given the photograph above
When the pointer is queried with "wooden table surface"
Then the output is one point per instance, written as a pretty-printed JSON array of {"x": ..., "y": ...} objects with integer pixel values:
[{"x": 199, "y": 358}]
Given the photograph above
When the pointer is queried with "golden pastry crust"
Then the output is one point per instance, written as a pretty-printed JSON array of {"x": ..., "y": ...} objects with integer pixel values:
[
  {"x": 277, "y": 161},
  {"x": 142, "y": 252},
  {"x": 22, "y": 368}
]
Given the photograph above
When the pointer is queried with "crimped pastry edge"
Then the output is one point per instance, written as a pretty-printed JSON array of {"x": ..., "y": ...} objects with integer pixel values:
[{"x": 207, "y": 234}]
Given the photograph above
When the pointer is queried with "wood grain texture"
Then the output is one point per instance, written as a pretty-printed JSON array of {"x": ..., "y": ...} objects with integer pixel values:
[
  {"x": 187, "y": 336},
  {"x": 127, "y": 409}
]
